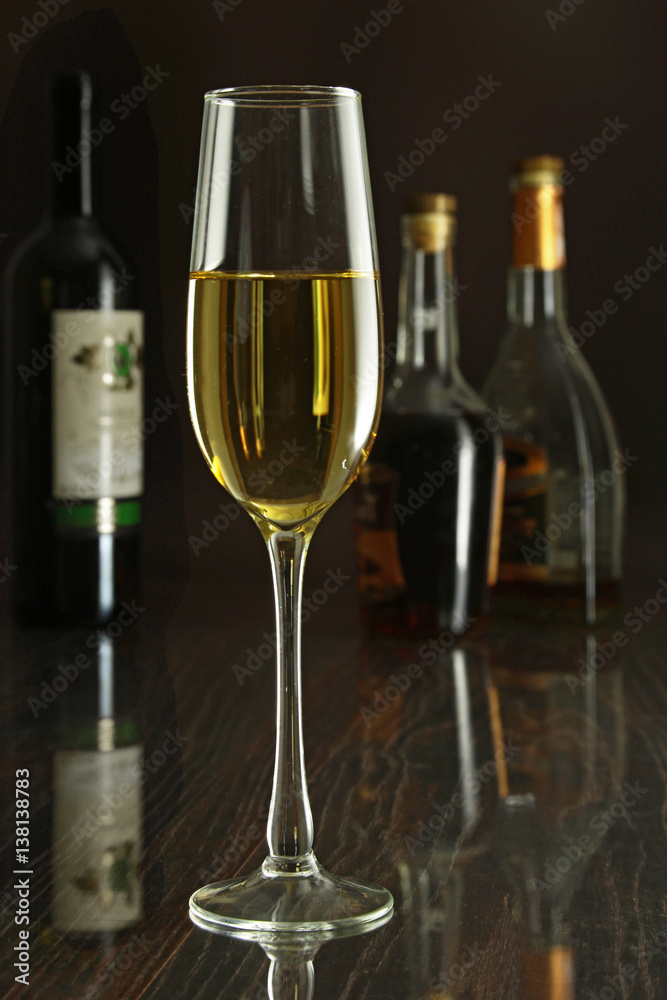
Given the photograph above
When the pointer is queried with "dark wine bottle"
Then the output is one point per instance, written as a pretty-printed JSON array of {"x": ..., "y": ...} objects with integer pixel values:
[
  {"x": 425, "y": 499},
  {"x": 75, "y": 386}
]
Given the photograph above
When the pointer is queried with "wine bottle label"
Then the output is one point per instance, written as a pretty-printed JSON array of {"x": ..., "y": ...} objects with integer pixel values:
[
  {"x": 97, "y": 403},
  {"x": 524, "y": 512},
  {"x": 97, "y": 839},
  {"x": 379, "y": 571}
]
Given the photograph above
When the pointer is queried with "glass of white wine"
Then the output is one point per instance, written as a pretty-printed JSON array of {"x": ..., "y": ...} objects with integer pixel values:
[{"x": 284, "y": 383}]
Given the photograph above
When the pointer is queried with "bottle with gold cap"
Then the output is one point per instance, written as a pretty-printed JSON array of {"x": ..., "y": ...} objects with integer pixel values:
[
  {"x": 424, "y": 501},
  {"x": 561, "y": 538}
]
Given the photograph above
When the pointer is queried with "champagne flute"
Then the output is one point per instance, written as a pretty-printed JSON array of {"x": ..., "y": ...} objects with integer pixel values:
[{"x": 284, "y": 384}]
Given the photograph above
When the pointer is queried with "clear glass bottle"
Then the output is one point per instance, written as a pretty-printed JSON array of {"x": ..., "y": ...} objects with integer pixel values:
[
  {"x": 561, "y": 537},
  {"x": 424, "y": 501}
]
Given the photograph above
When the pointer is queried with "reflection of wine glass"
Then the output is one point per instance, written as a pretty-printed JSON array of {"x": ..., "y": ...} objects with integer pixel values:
[
  {"x": 291, "y": 974},
  {"x": 284, "y": 382}
]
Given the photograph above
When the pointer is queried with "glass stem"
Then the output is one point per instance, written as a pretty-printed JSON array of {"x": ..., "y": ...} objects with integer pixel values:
[{"x": 290, "y": 823}]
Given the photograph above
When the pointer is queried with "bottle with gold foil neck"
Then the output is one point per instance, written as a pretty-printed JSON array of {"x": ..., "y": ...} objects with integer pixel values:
[
  {"x": 562, "y": 526},
  {"x": 424, "y": 501}
]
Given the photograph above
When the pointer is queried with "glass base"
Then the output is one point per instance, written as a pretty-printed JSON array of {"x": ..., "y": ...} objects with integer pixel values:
[{"x": 290, "y": 895}]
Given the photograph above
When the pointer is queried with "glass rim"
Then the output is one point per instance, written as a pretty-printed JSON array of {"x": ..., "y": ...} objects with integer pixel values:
[{"x": 270, "y": 95}]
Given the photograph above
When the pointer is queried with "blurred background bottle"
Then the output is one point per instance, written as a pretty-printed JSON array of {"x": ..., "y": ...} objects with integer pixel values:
[
  {"x": 562, "y": 526},
  {"x": 75, "y": 384},
  {"x": 424, "y": 502}
]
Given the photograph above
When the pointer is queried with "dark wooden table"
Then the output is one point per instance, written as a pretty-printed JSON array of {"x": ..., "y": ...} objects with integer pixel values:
[{"x": 511, "y": 798}]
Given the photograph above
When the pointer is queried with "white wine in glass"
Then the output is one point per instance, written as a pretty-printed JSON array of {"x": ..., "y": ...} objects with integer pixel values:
[{"x": 284, "y": 383}]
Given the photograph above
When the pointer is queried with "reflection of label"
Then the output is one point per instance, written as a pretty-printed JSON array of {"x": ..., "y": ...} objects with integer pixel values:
[
  {"x": 524, "y": 511},
  {"x": 379, "y": 571},
  {"x": 97, "y": 839},
  {"x": 97, "y": 403}
]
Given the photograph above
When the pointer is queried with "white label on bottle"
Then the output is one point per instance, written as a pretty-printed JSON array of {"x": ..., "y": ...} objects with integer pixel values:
[
  {"x": 97, "y": 839},
  {"x": 97, "y": 403}
]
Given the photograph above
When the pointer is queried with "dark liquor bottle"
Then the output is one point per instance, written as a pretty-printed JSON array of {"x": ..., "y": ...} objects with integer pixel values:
[
  {"x": 562, "y": 525},
  {"x": 75, "y": 384},
  {"x": 425, "y": 500}
]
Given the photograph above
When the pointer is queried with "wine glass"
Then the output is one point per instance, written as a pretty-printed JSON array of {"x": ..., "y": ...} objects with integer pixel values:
[{"x": 284, "y": 384}]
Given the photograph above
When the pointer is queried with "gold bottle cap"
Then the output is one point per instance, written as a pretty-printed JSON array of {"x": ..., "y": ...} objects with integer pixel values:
[
  {"x": 534, "y": 171},
  {"x": 430, "y": 201},
  {"x": 429, "y": 221}
]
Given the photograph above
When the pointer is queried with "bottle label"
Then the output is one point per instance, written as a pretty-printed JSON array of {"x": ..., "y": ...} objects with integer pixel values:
[
  {"x": 97, "y": 403},
  {"x": 97, "y": 839},
  {"x": 379, "y": 571},
  {"x": 524, "y": 512},
  {"x": 496, "y": 522}
]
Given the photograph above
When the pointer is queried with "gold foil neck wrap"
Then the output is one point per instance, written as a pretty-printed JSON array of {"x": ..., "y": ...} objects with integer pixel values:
[
  {"x": 431, "y": 232},
  {"x": 429, "y": 221},
  {"x": 537, "y": 224}
]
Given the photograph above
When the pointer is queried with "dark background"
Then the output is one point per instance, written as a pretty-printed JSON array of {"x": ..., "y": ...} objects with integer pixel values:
[{"x": 558, "y": 81}]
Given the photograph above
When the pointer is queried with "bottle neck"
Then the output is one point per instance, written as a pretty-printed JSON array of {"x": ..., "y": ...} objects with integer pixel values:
[
  {"x": 536, "y": 289},
  {"x": 428, "y": 337},
  {"x": 534, "y": 296},
  {"x": 71, "y": 166}
]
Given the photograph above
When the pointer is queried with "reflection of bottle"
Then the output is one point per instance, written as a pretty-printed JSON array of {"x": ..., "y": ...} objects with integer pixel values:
[
  {"x": 424, "y": 500},
  {"x": 98, "y": 801},
  {"x": 564, "y": 489},
  {"x": 76, "y": 387},
  {"x": 453, "y": 773},
  {"x": 567, "y": 771}
]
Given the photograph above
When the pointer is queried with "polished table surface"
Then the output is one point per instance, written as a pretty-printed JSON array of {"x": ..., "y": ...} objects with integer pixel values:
[{"x": 510, "y": 791}]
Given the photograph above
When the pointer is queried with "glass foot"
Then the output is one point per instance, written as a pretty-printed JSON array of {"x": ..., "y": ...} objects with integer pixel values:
[{"x": 292, "y": 895}]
